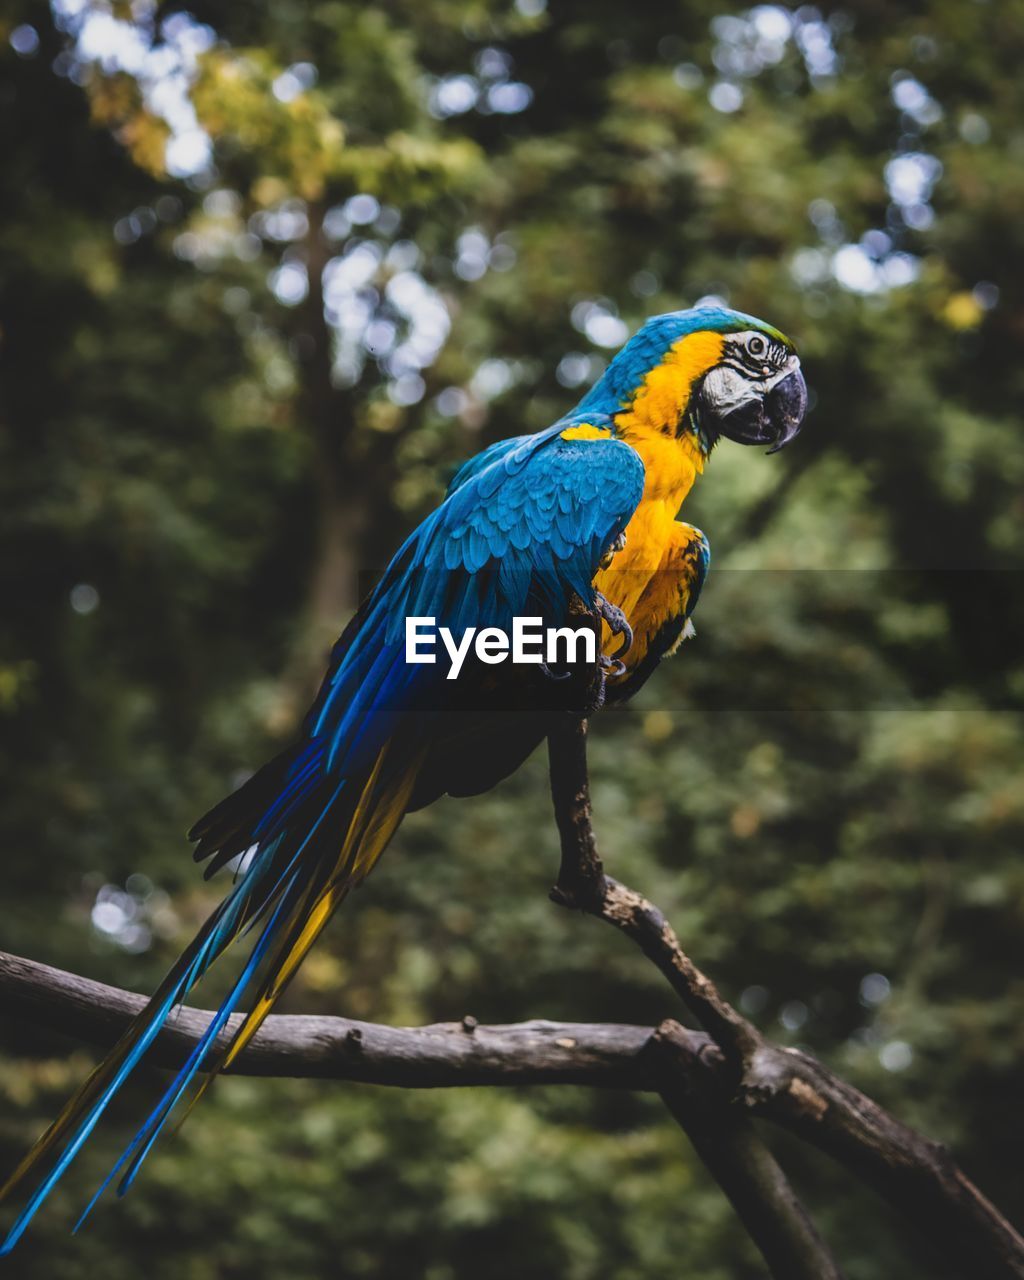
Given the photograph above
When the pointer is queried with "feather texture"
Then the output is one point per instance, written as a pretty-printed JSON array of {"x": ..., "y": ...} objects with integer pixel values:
[
  {"x": 523, "y": 529},
  {"x": 523, "y": 526}
]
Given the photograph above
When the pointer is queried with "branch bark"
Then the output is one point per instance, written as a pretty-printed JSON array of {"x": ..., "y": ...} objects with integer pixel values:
[
  {"x": 724, "y": 1137},
  {"x": 582, "y": 884},
  {"x": 439, "y": 1056},
  {"x": 713, "y": 1081},
  {"x": 721, "y": 1134},
  {"x": 781, "y": 1085},
  {"x": 917, "y": 1176}
]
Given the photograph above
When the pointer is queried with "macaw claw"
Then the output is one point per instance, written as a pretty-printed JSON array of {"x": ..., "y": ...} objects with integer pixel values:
[{"x": 617, "y": 622}]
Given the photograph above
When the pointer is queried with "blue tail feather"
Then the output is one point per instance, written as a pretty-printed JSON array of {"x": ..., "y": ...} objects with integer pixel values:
[
  {"x": 151, "y": 1129},
  {"x": 86, "y": 1128},
  {"x": 222, "y": 927}
]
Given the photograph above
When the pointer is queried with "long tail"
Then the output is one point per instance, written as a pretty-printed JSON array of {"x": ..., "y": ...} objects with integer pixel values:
[{"x": 316, "y": 837}]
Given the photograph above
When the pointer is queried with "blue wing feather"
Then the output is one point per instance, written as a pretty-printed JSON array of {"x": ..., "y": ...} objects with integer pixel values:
[
  {"x": 523, "y": 526},
  {"x": 539, "y": 509}
]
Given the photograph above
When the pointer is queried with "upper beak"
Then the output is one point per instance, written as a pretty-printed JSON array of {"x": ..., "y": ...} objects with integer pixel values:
[
  {"x": 775, "y": 420},
  {"x": 785, "y": 406}
]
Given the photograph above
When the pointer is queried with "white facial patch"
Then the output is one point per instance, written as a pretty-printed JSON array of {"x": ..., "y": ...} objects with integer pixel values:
[
  {"x": 729, "y": 386},
  {"x": 725, "y": 389}
]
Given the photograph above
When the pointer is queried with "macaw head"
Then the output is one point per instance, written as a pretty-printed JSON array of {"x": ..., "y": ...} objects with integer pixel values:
[{"x": 709, "y": 372}]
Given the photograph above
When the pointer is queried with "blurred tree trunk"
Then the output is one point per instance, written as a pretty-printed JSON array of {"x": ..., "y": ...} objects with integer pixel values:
[{"x": 328, "y": 413}]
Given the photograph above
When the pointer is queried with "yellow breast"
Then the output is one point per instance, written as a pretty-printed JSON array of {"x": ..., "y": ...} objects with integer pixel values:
[
  {"x": 671, "y": 466},
  {"x": 672, "y": 461}
]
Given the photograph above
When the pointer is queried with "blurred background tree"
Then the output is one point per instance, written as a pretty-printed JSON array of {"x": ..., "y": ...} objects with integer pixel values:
[{"x": 266, "y": 274}]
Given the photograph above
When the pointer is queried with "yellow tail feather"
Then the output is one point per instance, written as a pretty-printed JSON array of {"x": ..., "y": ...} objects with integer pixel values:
[{"x": 374, "y": 821}]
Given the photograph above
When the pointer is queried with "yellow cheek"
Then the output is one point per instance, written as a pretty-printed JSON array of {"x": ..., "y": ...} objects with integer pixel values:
[{"x": 666, "y": 389}]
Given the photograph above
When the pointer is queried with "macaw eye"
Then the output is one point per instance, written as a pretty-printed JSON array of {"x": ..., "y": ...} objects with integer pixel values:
[{"x": 756, "y": 345}]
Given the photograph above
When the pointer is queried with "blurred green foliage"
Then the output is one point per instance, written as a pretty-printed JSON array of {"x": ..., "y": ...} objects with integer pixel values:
[{"x": 242, "y": 350}]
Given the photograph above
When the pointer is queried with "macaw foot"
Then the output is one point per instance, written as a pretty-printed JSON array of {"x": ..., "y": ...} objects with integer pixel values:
[
  {"x": 611, "y": 666},
  {"x": 617, "y": 622},
  {"x": 554, "y": 675}
]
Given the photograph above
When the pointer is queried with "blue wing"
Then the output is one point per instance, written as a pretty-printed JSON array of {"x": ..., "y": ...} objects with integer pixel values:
[
  {"x": 482, "y": 460},
  {"x": 522, "y": 529}
]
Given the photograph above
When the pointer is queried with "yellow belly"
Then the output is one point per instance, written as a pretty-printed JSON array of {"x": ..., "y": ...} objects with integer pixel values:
[
  {"x": 648, "y": 535},
  {"x": 671, "y": 466}
]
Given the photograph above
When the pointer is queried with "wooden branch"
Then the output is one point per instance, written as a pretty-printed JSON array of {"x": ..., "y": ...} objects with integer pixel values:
[
  {"x": 582, "y": 884},
  {"x": 782, "y": 1085},
  {"x": 723, "y": 1135},
  {"x": 439, "y": 1056},
  {"x": 712, "y": 1081},
  {"x": 917, "y": 1176}
]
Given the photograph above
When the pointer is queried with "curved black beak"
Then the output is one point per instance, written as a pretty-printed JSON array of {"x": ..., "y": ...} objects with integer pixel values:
[
  {"x": 786, "y": 405},
  {"x": 775, "y": 420}
]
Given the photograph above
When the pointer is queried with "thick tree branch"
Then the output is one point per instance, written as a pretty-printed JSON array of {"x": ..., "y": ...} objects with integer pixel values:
[
  {"x": 445, "y": 1054},
  {"x": 721, "y": 1133},
  {"x": 786, "y": 1087},
  {"x": 917, "y": 1176},
  {"x": 583, "y": 884},
  {"x": 713, "y": 1081}
]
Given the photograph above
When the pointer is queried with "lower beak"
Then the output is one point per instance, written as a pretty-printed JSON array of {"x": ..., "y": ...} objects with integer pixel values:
[{"x": 775, "y": 420}]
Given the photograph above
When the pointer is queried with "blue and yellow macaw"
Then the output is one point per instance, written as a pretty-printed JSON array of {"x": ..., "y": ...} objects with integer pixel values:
[{"x": 580, "y": 518}]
